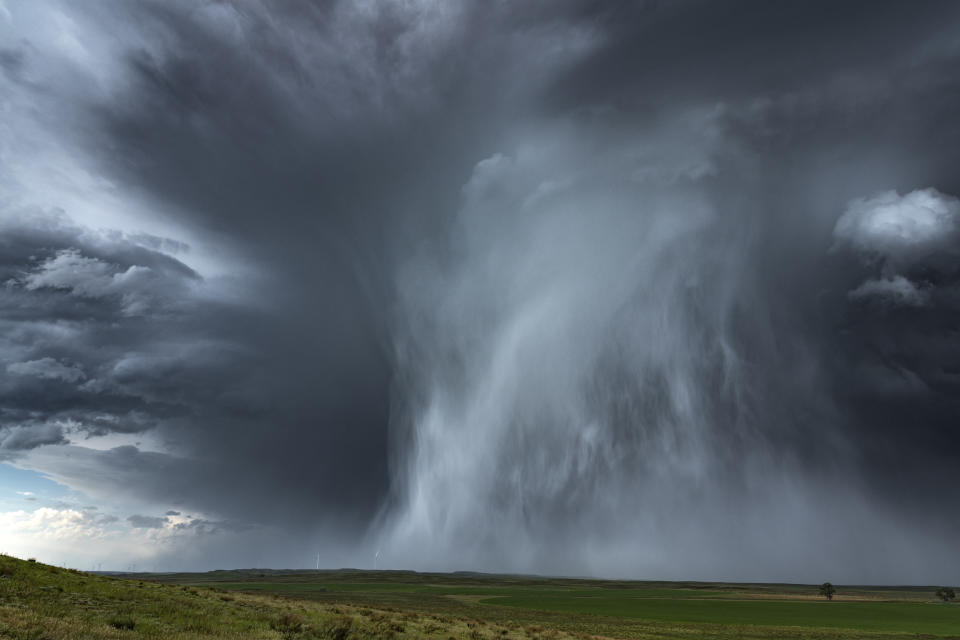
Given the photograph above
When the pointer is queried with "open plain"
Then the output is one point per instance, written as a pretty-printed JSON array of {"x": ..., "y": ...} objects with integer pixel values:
[{"x": 39, "y": 601}]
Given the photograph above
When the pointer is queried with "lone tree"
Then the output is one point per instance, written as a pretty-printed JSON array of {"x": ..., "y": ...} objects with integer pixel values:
[
  {"x": 946, "y": 594},
  {"x": 827, "y": 590}
]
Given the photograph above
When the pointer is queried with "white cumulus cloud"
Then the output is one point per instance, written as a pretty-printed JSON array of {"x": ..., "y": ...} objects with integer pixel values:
[
  {"x": 901, "y": 230},
  {"x": 909, "y": 237}
]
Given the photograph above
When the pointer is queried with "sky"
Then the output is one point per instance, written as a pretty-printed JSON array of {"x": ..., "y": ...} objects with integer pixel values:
[{"x": 652, "y": 290}]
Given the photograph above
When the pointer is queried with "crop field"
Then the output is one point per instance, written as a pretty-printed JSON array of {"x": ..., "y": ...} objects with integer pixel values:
[{"x": 39, "y": 601}]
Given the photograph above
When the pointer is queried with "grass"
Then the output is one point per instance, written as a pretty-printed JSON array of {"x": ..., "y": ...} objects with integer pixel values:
[
  {"x": 42, "y": 602},
  {"x": 905, "y": 617},
  {"x": 38, "y": 601}
]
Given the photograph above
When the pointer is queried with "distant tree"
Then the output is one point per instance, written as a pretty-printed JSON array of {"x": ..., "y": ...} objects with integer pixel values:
[
  {"x": 827, "y": 590},
  {"x": 946, "y": 594}
]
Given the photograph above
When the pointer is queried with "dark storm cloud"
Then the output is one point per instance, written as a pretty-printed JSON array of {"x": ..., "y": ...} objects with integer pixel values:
[
  {"x": 315, "y": 143},
  {"x": 28, "y": 436},
  {"x": 683, "y": 52},
  {"x": 74, "y": 307},
  {"x": 901, "y": 340},
  {"x": 104, "y": 336},
  {"x": 801, "y": 110},
  {"x": 47, "y": 368},
  {"x": 526, "y": 271},
  {"x": 824, "y": 109}
]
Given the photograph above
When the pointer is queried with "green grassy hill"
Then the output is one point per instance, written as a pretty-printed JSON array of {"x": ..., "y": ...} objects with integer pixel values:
[{"x": 42, "y": 602}]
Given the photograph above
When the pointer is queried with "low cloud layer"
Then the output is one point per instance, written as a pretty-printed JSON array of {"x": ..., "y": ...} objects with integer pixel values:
[{"x": 641, "y": 290}]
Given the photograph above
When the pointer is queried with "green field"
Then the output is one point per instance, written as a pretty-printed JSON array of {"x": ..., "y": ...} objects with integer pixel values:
[
  {"x": 618, "y": 608},
  {"x": 865, "y": 616},
  {"x": 38, "y": 601},
  {"x": 663, "y": 605}
]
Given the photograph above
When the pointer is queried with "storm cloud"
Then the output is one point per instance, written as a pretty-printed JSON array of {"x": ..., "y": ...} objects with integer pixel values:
[{"x": 637, "y": 289}]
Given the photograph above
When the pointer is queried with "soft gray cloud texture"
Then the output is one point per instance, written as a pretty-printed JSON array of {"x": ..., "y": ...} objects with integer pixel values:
[
  {"x": 47, "y": 368},
  {"x": 641, "y": 289},
  {"x": 146, "y": 522}
]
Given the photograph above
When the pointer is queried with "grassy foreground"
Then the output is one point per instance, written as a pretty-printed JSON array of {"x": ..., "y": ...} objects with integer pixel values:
[
  {"x": 42, "y": 602},
  {"x": 38, "y": 601}
]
